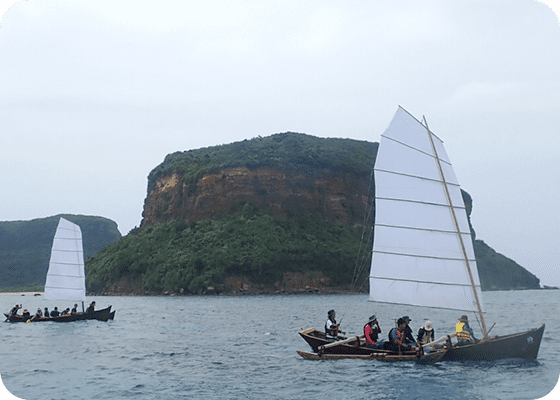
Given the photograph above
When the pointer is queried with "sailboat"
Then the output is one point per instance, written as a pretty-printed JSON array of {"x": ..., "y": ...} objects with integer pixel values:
[
  {"x": 66, "y": 276},
  {"x": 423, "y": 251}
]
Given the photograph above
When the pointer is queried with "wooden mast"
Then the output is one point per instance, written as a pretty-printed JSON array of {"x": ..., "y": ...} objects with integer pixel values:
[{"x": 484, "y": 330}]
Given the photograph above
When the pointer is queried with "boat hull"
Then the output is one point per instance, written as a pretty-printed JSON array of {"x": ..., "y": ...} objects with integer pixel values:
[
  {"x": 520, "y": 345},
  {"x": 316, "y": 339},
  {"x": 104, "y": 314}
]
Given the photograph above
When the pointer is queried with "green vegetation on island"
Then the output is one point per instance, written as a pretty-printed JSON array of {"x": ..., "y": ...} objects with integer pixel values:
[{"x": 174, "y": 256}]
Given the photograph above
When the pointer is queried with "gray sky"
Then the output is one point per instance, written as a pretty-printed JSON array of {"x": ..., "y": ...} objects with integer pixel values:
[{"x": 94, "y": 94}]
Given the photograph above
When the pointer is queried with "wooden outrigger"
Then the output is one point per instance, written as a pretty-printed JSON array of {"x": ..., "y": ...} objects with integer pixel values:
[{"x": 378, "y": 355}]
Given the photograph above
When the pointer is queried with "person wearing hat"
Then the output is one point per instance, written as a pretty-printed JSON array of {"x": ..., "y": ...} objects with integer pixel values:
[
  {"x": 408, "y": 336},
  {"x": 331, "y": 327},
  {"x": 465, "y": 334},
  {"x": 371, "y": 333},
  {"x": 397, "y": 337},
  {"x": 426, "y": 335},
  {"x": 26, "y": 313}
]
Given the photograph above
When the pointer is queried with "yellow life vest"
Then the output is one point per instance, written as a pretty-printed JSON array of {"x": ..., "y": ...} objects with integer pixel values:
[{"x": 461, "y": 334}]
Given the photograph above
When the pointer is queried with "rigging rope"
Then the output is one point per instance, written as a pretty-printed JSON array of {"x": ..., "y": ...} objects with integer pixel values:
[{"x": 359, "y": 265}]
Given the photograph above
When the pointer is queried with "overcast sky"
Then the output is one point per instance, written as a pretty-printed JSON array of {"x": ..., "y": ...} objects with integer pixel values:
[{"x": 94, "y": 94}]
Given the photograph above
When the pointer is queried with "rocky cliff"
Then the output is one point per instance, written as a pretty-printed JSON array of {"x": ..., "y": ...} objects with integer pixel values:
[
  {"x": 336, "y": 196},
  {"x": 285, "y": 175}
]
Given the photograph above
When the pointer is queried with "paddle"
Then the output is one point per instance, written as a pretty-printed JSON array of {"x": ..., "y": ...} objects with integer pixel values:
[
  {"x": 444, "y": 338},
  {"x": 352, "y": 339}
]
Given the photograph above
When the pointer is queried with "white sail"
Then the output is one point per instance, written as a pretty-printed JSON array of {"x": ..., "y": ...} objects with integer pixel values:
[
  {"x": 418, "y": 257},
  {"x": 66, "y": 277}
]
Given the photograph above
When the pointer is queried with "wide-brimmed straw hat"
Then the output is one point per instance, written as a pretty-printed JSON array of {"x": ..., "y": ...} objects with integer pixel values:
[{"x": 428, "y": 326}]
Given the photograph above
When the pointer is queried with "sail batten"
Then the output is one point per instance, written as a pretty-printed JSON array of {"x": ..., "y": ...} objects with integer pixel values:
[
  {"x": 66, "y": 274},
  {"x": 420, "y": 229},
  {"x": 420, "y": 202},
  {"x": 421, "y": 256},
  {"x": 422, "y": 249},
  {"x": 414, "y": 176},
  {"x": 427, "y": 282},
  {"x": 414, "y": 148}
]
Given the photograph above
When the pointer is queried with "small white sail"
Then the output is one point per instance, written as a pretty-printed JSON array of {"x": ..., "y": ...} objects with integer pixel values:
[
  {"x": 66, "y": 275},
  {"x": 418, "y": 258}
]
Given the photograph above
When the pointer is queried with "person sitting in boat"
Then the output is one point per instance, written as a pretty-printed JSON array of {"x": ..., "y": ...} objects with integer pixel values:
[
  {"x": 66, "y": 312},
  {"x": 55, "y": 312},
  {"x": 91, "y": 307},
  {"x": 46, "y": 313},
  {"x": 37, "y": 315},
  {"x": 371, "y": 333},
  {"x": 426, "y": 335},
  {"x": 331, "y": 327},
  {"x": 14, "y": 310},
  {"x": 397, "y": 337},
  {"x": 74, "y": 310},
  {"x": 26, "y": 313},
  {"x": 408, "y": 336},
  {"x": 465, "y": 334}
]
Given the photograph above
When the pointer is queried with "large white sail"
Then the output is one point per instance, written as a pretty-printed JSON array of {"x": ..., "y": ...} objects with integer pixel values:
[
  {"x": 418, "y": 257},
  {"x": 66, "y": 276}
]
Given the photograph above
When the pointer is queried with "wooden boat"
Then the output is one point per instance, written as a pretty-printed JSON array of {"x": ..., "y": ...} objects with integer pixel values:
[
  {"x": 375, "y": 355},
  {"x": 100, "y": 315},
  {"x": 66, "y": 278},
  {"x": 423, "y": 252}
]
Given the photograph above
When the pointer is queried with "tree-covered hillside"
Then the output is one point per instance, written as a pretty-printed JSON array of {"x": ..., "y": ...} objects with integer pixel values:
[
  {"x": 497, "y": 272},
  {"x": 25, "y": 246},
  {"x": 174, "y": 256}
]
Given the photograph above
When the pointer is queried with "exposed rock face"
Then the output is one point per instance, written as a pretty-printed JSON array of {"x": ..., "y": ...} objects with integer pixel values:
[{"x": 338, "y": 197}]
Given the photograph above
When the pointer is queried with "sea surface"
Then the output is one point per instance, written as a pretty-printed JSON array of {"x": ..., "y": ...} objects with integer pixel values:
[{"x": 244, "y": 347}]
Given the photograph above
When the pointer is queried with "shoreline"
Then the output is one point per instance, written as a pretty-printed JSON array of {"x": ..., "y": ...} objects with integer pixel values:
[
  {"x": 22, "y": 293},
  {"x": 241, "y": 292}
]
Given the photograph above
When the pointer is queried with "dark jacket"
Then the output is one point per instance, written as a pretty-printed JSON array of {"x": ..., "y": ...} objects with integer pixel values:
[
  {"x": 431, "y": 335},
  {"x": 408, "y": 336}
]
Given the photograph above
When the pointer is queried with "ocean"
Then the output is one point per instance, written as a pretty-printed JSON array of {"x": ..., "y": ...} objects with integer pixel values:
[{"x": 244, "y": 347}]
